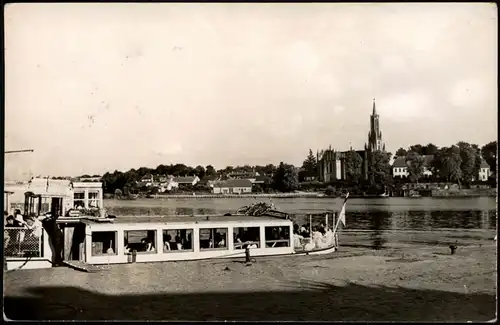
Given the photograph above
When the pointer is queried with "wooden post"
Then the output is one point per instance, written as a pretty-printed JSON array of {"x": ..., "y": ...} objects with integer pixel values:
[
  {"x": 310, "y": 225},
  {"x": 68, "y": 241},
  {"x": 326, "y": 221}
]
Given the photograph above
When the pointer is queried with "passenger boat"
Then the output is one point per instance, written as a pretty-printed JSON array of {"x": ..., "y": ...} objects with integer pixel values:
[{"x": 103, "y": 240}]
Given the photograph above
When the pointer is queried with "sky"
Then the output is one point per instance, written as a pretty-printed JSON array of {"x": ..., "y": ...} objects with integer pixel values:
[{"x": 98, "y": 87}]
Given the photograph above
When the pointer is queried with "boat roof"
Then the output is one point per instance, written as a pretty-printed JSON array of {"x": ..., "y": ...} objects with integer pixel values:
[{"x": 190, "y": 219}]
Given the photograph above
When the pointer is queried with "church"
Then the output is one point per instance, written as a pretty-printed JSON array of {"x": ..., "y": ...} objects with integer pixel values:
[{"x": 331, "y": 163}]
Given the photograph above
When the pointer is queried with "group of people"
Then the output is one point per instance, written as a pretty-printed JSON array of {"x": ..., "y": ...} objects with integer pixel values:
[
  {"x": 317, "y": 238},
  {"x": 22, "y": 233}
]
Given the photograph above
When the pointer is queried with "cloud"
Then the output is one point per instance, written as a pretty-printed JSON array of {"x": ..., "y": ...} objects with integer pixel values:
[
  {"x": 406, "y": 107},
  {"x": 260, "y": 80},
  {"x": 468, "y": 94}
]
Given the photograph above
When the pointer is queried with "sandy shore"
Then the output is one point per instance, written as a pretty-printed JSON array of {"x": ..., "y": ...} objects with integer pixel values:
[{"x": 414, "y": 279}]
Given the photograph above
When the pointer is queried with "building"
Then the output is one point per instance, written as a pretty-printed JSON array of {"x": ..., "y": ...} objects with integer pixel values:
[
  {"x": 400, "y": 167},
  {"x": 186, "y": 180},
  {"x": 147, "y": 180},
  {"x": 88, "y": 195},
  {"x": 58, "y": 195},
  {"x": 331, "y": 163},
  {"x": 484, "y": 171},
  {"x": 375, "y": 142},
  {"x": 233, "y": 186}
]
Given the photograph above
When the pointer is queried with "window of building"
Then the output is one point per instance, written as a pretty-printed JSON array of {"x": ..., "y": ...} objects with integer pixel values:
[
  {"x": 246, "y": 236},
  {"x": 142, "y": 241},
  {"x": 177, "y": 240},
  {"x": 104, "y": 243},
  {"x": 278, "y": 236},
  {"x": 94, "y": 200},
  {"x": 79, "y": 200},
  {"x": 213, "y": 238}
]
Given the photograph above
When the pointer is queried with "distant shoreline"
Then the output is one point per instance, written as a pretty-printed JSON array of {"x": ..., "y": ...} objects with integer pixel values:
[{"x": 293, "y": 195}]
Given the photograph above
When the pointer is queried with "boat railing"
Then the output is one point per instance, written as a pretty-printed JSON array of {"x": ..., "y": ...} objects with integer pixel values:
[{"x": 22, "y": 242}]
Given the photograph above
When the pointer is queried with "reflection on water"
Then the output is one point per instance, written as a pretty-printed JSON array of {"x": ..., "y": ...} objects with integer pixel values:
[{"x": 377, "y": 215}]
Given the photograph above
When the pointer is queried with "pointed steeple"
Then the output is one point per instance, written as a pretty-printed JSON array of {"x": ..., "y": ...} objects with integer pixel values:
[{"x": 374, "y": 109}]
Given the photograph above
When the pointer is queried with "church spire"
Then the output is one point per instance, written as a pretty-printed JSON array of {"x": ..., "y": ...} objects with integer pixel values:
[{"x": 374, "y": 109}]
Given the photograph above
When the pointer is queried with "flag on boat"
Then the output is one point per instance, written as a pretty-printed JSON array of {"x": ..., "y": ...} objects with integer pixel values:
[{"x": 342, "y": 212}]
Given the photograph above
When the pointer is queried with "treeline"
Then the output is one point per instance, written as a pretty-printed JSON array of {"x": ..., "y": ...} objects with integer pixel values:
[
  {"x": 457, "y": 163},
  {"x": 281, "y": 177}
]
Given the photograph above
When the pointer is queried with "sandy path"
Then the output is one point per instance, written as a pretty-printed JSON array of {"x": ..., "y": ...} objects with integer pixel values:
[{"x": 420, "y": 282}]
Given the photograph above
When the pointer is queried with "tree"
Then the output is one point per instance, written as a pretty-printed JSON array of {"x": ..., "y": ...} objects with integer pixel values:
[
  {"x": 379, "y": 169},
  {"x": 415, "y": 163},
  {"x": 310, "y": 165},
  {"x": 353, "y": 165},
  {"x": 430, "y": 149},
  {"x": 447, "y": 163},
  {"x": 418, "y": 148},
  {"x": 210, "y": 170},
  {"x": 489, "y": 153},
  {"x": 286, "y": 178},
  {"x": 200, "y": 171},
  {"x": 469, "y": 165},
  {"x": 401, "y": 152}
]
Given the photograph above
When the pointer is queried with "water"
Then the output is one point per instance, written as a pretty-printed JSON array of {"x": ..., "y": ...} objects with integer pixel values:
[{"x": 361, "y": 214}]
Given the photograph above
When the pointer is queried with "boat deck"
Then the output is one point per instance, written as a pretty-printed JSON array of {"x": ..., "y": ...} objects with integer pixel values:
[{"x": 138, "y": 219}]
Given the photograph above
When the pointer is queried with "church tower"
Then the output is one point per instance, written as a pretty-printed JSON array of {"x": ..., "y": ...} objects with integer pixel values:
[{"x": 374, "y": 135}]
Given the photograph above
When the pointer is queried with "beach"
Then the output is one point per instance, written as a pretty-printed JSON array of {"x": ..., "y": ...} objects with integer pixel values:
[{"x": 414, "y": 278}]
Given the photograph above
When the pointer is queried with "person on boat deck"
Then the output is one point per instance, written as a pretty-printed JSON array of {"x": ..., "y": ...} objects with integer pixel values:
[
  {"x": 147, "y": 245},
  {"x": 297, "y": 240},
  {"x": 322, "y": 228},
  {"x": 19, "y": 217},
  {"x": 221, "y": 242},
  {"x": 295, "y": 229},
  {"x": 178, "y": 242},
  {"x": 304, "y": 231},
  {"x": 238, "y": 242},
  {"x": 317, "y": 238},
  {"x": 166, "y": 243},
  {"x": 12, "y": 222},
  {"x": 126, "y": 248}
]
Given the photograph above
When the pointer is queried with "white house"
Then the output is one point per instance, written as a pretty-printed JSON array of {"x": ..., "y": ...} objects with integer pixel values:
[
  {"x": 484, "y": 171},
  {"x": 147, "y": 180},
  {"x": 233, "y": 186},
  {"x": 400, "y": 167}
]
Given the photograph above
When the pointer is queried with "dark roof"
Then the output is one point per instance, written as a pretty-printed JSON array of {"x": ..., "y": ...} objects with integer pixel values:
[
  {"x": 263, "y": 178},
  {"x": 234, "y": 183},
  {"x": 401, "y": 161},
  {"x": 186, "y": 179},
  {"x": 484, "y": 164}
]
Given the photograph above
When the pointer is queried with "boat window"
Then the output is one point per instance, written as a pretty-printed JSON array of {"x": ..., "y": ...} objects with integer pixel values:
[
  {"x": 142, "y": 241},
  {"x": 79, "y": 200},
  {"x": 177, "y": 240},
  {"x": 246, "y": 236},
  {"x": 94, "y": 199},
  {"x": 104, "y": 243},
  {"x": 278, "y": 236},
  {"x": 213, "y": 238}
]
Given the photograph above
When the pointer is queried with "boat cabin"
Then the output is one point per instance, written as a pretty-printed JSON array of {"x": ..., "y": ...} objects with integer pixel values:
[{"x": 186, "y": 238}]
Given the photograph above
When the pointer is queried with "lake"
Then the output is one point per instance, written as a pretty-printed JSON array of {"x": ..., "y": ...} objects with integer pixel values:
[{"x": 395, "y": 213}]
